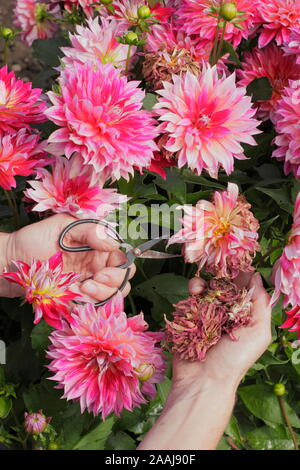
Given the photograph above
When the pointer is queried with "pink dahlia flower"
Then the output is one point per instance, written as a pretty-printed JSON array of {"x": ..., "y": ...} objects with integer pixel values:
[
  {"x": 269, "y": 62},
  {"x": 34, "y": 19},
  {"x": 20, "y": 105},
  {"x": 286, "y": 272},
  {"x": 97, "y": 43},
  {"x": 287, "y": 118},
  {"x": 72, "y": 187},
  {"x": 35, "y": 423},
  {"x": 195, "y": 18},
  {"x": 278, "y": 18},
  {"x": 101, "y": 118},
  {"x": 69, "y": 5},
  {"x": 103, "y": 359},
  {"x": 221, "y": 235},
  {"x": 292, "y": 47},
  {"x": 20, "y": 154},
  {"x": 206, "y": 118},
  {"x": 46, "y": 287}
]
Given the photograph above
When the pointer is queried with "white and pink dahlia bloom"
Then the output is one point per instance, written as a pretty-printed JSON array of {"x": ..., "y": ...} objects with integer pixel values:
[
  {"x": 100, "y": 116},
  {"x": 46, "y": 287},
  {"x": 206, "y": 118},
  {"x": 195, "y": 18},
  {"x": 220, "y": 236},
  {"x": 278, "y": 18},
  {"x": 86, "y": 5},
  {"x": 126, "y": 11},
  {"x": 269, "y": 62},
  {"x": 96, "y": 43},
  {"x": 287, "y": 120},
  {"x": 34, "y": 19},
  {"x": 20, "y": 104},
  {"x": 292, "y": 47},
  {"x": 21, "y": 153},
  {"x": 73, "y": 188},
  {"x": 286, "y": 271},
  {"x": 105, "y": 360}
]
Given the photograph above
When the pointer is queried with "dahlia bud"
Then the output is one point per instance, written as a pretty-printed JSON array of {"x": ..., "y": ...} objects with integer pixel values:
[
  {"x": 36, "y": 423},
  {"x": 279, "y": 389},
  {"x": 53, "y": 446},
  {"x": 228, "y": 11},
  {"x": 106, "y": 2},
  {"x": 145, "y": 371},
  {"x": 7, "y": 33},
  {"x": 144, "y": 12},
  {"x": 131, "y": 38},
  {"x": 41, "y": 12}
]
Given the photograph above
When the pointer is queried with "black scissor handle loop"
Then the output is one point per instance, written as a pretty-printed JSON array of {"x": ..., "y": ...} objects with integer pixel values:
[{"x": 78, "y": 249}]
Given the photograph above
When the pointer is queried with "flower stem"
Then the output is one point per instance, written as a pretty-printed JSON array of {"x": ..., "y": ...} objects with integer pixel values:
[
  {"x": 127, "y": 60},
  {"x": 219, "y": 48},
  {"x": 5, "y": 52},
  {"x": 287, "y": 421}
]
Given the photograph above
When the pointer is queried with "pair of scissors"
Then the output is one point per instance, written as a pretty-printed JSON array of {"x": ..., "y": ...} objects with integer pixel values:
[{"x": 142, "y": 251}]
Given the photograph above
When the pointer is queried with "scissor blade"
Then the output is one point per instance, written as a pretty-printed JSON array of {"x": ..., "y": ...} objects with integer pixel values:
[{"x": 157, "y": 255}]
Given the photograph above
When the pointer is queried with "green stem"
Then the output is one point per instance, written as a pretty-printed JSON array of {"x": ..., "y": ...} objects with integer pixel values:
[
  {"x": 127, "y": 60},
  {"x": 219, "y": 48},
  {"x": 5, "y": 52},
  {"x": 287, "y": 421}
]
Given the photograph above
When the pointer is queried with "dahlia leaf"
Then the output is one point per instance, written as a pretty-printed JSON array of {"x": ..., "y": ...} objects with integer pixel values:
[
  {"x": 95, "y": 439},
  {"x": 48, "y": 50},
  {"x": 260, "y": 89},
  {"x": 149, "y": 101}
]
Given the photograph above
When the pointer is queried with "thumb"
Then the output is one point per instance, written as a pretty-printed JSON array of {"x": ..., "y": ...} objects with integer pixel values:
[{"x": 260, "y": 297}]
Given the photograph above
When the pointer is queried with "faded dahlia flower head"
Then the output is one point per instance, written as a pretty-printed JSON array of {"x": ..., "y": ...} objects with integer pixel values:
[
  {"x": 72, "y": 188},
  {"x": 105, "y": 360},
  {"x": 21, "y": 153},
  {"x": 34, "y": 19},
  {"x": 278, "y": 18},
  {"x": 287, "y": 118},
  {"x": 269, "y": 62},
  {"x": 100, "y": 116},
  {"x": 221, "y": 236},
  {"x": 20, "y": 104},
  {"x": 195, "y": 18},
  {"x": 46, "y": 287},
  {"x": 206, "y": 118},
  {"x": 96, "y": 43},
  {"x": 36, "y": 423},
  {"x": 200, "y": 321}
]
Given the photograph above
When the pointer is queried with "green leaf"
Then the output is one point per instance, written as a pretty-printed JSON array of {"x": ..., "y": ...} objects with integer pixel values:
[
  {"x": 149, "y": 101},
  {"x": 266, "y": 438},
  {"x": 173, "y": 184},
  {"x": 169, "y": 286},
  {"x": 261, "y": 401},
  {"x": 95, "y": 439},
  {"x": 40, "y": 336},
  {"x": 280, "y": 196},
  {"x": 120, "y": 441},
  {"x": 163, "y": 389},
  {"x": 260, "y": 89},
  {"x": 48, "y": 50},
  {"x": 227, "y": 48}
]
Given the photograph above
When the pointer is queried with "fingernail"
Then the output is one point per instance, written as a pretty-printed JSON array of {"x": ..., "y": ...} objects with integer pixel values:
[{"x": 90, "y": 287}]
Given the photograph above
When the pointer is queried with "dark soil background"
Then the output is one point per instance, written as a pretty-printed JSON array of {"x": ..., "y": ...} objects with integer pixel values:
[{"x": 20, "y": 55}]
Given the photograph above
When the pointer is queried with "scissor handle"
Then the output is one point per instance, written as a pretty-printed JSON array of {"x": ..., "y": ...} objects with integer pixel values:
[{"x": 80, "y": 249}]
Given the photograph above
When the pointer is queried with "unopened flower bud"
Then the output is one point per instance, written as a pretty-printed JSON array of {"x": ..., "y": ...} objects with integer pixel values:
[
  {"x": 35, "y": 423},
  {"x": 145, "y": 371},
  {"x": 53, "y": 446},
  {"x": 131, "y": 38},
  {"x": 279, "y": 389},
  {"x": 5, "y": 406},
  {"x": 41, "y": 12},
  {"x": 228, "y": 11},
  {"x": 7, "y": 33},
  {"x": 144, "y": 12},
  {"x": 106, "y": 2}
]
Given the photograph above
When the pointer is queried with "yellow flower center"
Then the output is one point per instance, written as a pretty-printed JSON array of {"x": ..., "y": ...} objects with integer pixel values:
[{"x": 223, "y": 227}]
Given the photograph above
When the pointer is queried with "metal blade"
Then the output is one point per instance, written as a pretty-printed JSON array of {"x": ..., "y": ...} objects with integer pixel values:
[{"x": 157, "y": 255}]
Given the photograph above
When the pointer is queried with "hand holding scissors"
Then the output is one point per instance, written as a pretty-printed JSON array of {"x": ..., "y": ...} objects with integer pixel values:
[{"x": 141, "y": 251}]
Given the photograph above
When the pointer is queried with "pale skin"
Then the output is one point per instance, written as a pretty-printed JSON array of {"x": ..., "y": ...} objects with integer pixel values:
[{"x": 202, "y": 395}]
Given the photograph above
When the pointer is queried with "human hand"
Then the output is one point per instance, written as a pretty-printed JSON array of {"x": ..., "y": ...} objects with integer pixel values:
[
  {"x": 228, "y": 360},
  {"x": 40, "y": 241}
]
